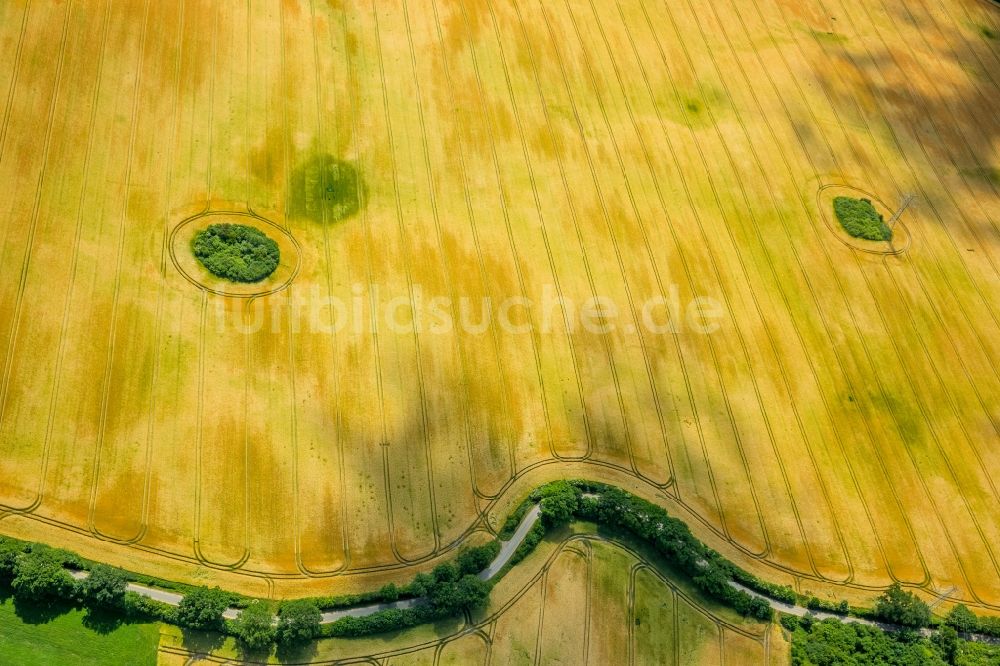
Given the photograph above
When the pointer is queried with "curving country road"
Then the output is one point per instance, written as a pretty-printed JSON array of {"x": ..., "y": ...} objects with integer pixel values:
[{"x": 507, "y": 549}]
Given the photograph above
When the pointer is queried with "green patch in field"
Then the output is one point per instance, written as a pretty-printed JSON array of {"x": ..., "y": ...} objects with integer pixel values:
[
  {"x": 692, "y": 106},
  {"x": 325, "y": 189},
  {"x": 37, "y": 634},
  {"x": 236, "y": 252},
  {"x": 989, "y": 33},
  {"x": 829, "y": 37},
  {"x": 860, "y": 219},
  {"x": 701, "y": 108}
]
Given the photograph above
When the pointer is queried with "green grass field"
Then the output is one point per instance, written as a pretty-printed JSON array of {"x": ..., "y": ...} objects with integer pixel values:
[{"x": 45, "y": 636}]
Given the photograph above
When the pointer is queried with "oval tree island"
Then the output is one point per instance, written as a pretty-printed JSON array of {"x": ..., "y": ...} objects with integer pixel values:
[
  {"x": 236, "y": 252},
  {"x": 860, "y": 219}
]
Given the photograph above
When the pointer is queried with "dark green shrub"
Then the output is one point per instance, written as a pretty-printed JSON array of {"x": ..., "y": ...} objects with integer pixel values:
[
  {"x": 962, "y": 619},
  {"x": 790, "y": 622},
  {"x": 835, "y": 643},
  {"x": 989, "y": 625},
  {"x": 393, "y": 619},
  {"x": 389, "y": 592},
  {"x": 946, "y": 639},
  {"x": 446, "y": 572},
  {"x": 236, "y": 252},
  {"x": 452, "y": 597},
  {"x": 512, "y": 521},
  {"x": 779, "y": 592},
  {"x": 10, "y": 549},
  {"x": 474, "y": 560},
  {"x": 39, "y": 573},
  {"x": 254, "y": 626},
  {"x": 558, "y": 502},
  {"x": 136, "y": 606},
  {"x": 531, "y": 539},
  {"x": 904, "y": 608},
  {"x": 203, "y": 608},
  {"x": 298, "y": 621},
  {"x": 105, "y": 586},
  {"x": 860, "y": 219}
]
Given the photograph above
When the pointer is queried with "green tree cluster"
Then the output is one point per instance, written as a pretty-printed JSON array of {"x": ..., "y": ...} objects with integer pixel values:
[
  {"x": 203, "y": 608},
  {"x": 236, "y": 252},
  {"x": 255, "y": 625},
  {"x": 105, "y": 586},
  {"x": 40, "y": 573},
  {"x": 834, "y": 643},
  {"x": 898, "y": 606},
  {"x": 558, "y": 502},
  {"x": 860, "y": 219},
  {"x": 298, "y": 621},
  {"x": 708, "y": 570}
]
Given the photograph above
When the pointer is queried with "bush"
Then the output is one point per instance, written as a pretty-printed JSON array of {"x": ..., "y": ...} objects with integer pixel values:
[
  {"x": 10, "y": 549},
  {"x": 105, "y": 586},
  {"x": 203, "y": 608},
  {"x": 779, "y": 592},
  {"x": 558, "y": 502},
  {"x": 474, "y": 560},
  {"x": 903, "y": 608},
  {"x": 389, "y": 592},
  {"x": 393, "y": 619},
  {"x": 39, "y": 573},
  {"x": 531, "y": 539},
  {"x": 510, "y": 525},
  {"x": 298, "y": 621},
  {"x": 254, "y": 626},
  {"x": 831, "y": 642},
  {"x": 860, "y": 219},
  {"x": 790, "y": 622},
  {"x": 452, "y": 597},
  {"x": 236, "y": 252},
  {"x": 989, "y": 625},
  {"x": 962, "y": 619},
  {"x": 136, "y": 606}
]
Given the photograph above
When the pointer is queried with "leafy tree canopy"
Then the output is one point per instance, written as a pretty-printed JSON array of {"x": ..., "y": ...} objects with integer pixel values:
[
  {"x": 39, "y": 573},
  {"x": 203, "y": 608},
  {"x": 298, "y": 621},
  {"x": 901, "y": 607},
  {"x": 236, "y": 252},
  {"x": 962, "y": 619},
  {"x": 860, "y": 219},
  {"x": 105, "y": 586},
  {"x": 255, "y": 626}
]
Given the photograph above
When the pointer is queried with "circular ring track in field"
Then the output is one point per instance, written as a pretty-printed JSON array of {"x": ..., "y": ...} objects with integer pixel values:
[
  {"x": 901, "y": 237},
  {"x": 195, "y": 273}
]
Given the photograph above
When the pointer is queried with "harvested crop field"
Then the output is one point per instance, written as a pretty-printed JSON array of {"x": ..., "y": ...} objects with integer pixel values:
[{"x": 519, "y": 241}]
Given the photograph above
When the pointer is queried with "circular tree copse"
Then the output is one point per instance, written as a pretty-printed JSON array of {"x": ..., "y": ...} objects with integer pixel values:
[
  {"x": 860, "y": 219},
  {"x": 236, "y": 252}
]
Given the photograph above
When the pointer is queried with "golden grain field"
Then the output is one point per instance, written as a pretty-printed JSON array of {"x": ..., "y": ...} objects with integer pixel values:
[{"x": 583, "y": 172}]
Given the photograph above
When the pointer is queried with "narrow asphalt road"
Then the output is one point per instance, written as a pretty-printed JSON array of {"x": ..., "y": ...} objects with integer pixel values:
[{"x": 507, "y": 549}]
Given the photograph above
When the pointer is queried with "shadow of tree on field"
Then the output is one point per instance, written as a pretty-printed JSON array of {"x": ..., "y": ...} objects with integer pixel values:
[
  {"x": 297, "y": 653},
  {"x": 201, "y": 642},
  {"x": 39, "y": 612},
  {"x": 104, "y": 622},
  {"x": 936, "y": 80}
]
